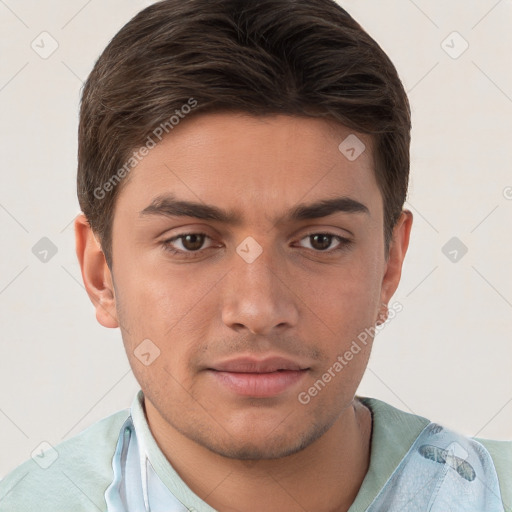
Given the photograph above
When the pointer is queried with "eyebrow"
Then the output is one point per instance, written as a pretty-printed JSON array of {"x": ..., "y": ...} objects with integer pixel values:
[{"x": 169, "y": 206}]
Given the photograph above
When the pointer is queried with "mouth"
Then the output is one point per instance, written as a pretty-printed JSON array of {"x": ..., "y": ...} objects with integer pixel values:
[{"x": 258, "y": 378}]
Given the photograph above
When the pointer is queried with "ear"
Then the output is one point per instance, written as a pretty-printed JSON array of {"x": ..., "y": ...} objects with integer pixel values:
[
  {"x": 95, "y": 273},
  {"x": 393, "y": 267}
]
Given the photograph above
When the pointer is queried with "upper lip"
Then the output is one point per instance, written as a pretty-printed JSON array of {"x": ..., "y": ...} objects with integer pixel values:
[{"x": 255, "y": 365}]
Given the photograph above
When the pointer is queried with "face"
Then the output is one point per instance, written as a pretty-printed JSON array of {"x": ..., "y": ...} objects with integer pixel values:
[{"x": 249, "y": 255}]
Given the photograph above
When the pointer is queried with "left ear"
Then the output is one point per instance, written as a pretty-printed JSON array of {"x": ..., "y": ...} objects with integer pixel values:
[
  {"x": 393, "y": 268},
  {"x": 95, "y": 273}
]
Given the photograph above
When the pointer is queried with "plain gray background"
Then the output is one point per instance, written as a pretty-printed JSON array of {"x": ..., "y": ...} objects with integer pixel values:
[{"x": 446, "y": 356}]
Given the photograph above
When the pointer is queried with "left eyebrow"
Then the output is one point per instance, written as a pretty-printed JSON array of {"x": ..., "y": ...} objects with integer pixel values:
[
  {"x": 169, "y": 206},
  {"x": 327, "y": 207}
]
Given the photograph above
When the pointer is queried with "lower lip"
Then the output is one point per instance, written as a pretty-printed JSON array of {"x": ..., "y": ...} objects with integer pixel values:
[{"x": 259, "y": 384}]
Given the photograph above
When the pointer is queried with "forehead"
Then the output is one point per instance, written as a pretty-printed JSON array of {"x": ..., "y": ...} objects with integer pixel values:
[{"x": 255, "y": 164}]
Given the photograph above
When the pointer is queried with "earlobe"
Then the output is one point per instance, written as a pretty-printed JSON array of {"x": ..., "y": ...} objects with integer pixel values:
[
  {"x": 397, "y": 250},
  {"x": 383, "y": 314},
  {"x": 96, "y": 275}
]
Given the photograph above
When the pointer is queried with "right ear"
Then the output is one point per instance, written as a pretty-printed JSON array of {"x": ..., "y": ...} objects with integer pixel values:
[{"x": 96, "y": 275}]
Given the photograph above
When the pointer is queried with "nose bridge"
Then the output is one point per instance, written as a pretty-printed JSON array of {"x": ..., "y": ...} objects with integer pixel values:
[{"x": 255, "y": 295}]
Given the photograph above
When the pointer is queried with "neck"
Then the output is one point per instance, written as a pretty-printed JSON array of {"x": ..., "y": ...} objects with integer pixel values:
[{"x": 325, "y": 476}]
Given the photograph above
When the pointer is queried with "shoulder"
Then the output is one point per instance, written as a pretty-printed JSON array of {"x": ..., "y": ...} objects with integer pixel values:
[
  {"x": 400, "y": 427},
  {"x": 393, "y": 422},
  {"x": 501, "y": 453},
  {"x": 74, "y": 476}
]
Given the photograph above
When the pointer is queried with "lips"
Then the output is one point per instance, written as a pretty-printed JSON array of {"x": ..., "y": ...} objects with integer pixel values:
[
  {"x": 251, "y": 365},
  {"x": 258, "y": 377}
]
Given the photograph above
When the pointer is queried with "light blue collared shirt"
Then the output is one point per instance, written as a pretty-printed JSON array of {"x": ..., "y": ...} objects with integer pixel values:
[{"x": 442, "y": 472}]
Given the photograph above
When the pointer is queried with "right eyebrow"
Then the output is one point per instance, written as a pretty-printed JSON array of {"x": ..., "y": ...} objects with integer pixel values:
[{"x": 169, "y": 206}]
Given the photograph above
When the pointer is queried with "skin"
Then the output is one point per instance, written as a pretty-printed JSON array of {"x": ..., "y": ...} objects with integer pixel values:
[{"x": 300, "y": 298}]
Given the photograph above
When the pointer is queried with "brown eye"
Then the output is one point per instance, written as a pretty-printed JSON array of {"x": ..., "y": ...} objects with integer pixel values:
[
  {"x": 192, "y": 242},
  {"x": 188, "y": 243},
  {"x": 320, "y": 241},
  {"x": 323, "y": 242}
]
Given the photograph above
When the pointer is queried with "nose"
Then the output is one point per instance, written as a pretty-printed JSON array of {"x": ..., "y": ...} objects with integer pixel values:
[{"x": 258, "y": 296}]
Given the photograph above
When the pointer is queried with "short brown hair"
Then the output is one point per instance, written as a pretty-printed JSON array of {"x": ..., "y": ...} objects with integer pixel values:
[{"x": 262, "y": 57}]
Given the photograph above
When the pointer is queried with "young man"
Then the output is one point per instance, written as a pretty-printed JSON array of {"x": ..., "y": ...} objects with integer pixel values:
[{"x": 242, "y": 172}]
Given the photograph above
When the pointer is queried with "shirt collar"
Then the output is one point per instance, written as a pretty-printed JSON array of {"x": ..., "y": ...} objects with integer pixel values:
[{"x": 393, "y": 433}]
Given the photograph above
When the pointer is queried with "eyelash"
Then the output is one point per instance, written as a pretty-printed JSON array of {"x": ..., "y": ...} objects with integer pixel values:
[{"x": 343, "y": 245}]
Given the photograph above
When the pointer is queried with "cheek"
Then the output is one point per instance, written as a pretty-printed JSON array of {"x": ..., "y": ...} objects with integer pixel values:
[
  {"x": 347, "y": 298},
  {"x": 166, "y": 305},
  {"x": 157, "y": 294}
]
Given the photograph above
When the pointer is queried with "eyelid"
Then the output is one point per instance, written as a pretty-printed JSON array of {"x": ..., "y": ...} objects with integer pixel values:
[
  {"x": 168, "y": 241},
  {"x": 343, "y": 243}
]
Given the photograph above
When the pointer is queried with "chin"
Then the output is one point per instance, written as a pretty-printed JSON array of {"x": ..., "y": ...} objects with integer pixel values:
[
  {"x": 264, "y": 446},
  {"x": 251, "y": 450}
]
